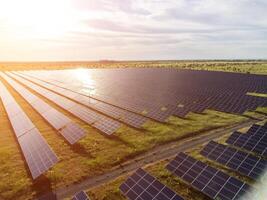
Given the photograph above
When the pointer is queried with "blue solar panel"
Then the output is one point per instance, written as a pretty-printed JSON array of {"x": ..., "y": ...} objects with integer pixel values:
[
  {"x": 240, "y": 161},
  {"x": 129, "y": 118},
  {"x": 56, "y": 119},
  {"x": 143, "y": 186},
  {"x": 80, "y": 196},
  {"x": 212, "y": 182},
  {"x": 206, "y": 89},
  {"x": 97, "y": 120},
  {"x": 37, "y": 153},
  {"x": 256, "y": 142}
]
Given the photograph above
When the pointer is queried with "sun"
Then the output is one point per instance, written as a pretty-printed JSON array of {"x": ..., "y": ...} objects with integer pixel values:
[{"x": 37, "y": 18}]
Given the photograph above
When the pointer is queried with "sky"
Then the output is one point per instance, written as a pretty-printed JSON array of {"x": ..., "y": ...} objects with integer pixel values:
[{"x": 66, "y": 30}]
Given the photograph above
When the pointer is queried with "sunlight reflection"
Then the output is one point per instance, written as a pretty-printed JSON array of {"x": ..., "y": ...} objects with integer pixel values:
[{"x": 85, "y": 81}]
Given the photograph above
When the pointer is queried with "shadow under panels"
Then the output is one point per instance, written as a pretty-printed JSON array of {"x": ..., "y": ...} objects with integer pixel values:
[
  {"x": 122, "y": 115},
  {"x": 97, "y": 120},
  {"x": 37, "y": 153},
  {"x": 65, "y": 126}
]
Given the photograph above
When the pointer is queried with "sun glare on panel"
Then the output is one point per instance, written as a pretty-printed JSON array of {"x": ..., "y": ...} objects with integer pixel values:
[{"x": 85, "y": 80}]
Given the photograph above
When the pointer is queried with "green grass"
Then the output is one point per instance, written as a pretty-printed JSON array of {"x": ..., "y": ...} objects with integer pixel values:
[
  {"x": 108, "y": 191},
  {"x": 156, "y": 133}
]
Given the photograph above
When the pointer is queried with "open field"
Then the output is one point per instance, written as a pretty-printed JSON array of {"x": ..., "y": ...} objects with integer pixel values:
[
  {"x": 253, "y": 67},
  {"x": 98, "y": 153}
]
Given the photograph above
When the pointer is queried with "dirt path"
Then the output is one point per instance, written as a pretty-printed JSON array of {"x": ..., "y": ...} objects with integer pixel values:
[{"x": 155, "y": 155}]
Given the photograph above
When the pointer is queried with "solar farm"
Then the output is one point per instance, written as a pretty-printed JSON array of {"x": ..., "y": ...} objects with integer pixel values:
[{"x": 137, "y": 133}]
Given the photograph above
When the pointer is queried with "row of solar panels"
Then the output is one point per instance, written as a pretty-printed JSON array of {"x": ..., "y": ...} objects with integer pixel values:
[
  {"x": 192, "y": 102},
  {"x": 114, "y": 111},
  {"x": 122, "y": 115},
  {"x": 68, "y": 129},
  {"x": 212, "y": 182},
  {"x": 38, "y": 154},
  {"x": 97, "y": 120},
  {"x": 194, "y": 99}
]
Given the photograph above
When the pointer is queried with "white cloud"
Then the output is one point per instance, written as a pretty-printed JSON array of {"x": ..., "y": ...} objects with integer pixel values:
[{"x": 147, "y": 29}]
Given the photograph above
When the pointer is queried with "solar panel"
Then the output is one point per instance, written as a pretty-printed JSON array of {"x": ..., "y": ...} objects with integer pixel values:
[
  {"x": 226, "y": 92},
  {"x": 56, "y": 119},
  {"x": 81, "y": 196},
  {"x": 37, "y": 153},
  {"x": 255, "y": 128},
  {"x": 97, "y": 120},
  {"x": 256, "y": 142},
  {"x": 212, "y": 182},
  {"x": 19, "y": 127},
  {"x": 72, "y": 132},
  {"x": 134, "y": 120},
  {"x": 109, "y": 110},
  {"x": 86, "y": 115},
  {"x": 158, "y": 115},
  {"x": 107, "y": 125},
  {"x": 127, "y": 117},
  {"x": 40, "y": 105},
  {"x": 12, "y": 109},
  {"x": 142, "y": 186},
  {"x": 240, "y": 161}
]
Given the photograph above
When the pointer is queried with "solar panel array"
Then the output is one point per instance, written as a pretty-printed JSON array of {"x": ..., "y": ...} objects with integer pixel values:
[
  {"x": 68, "y": 129},
  {"x": 179, "y": 91},
  {"x": 97, "y": 120},
  {"x": 81, "y": 196},
  {"x": 254, "y": 142},
  {"x": 237, "y": 160},
  {"x": 210, "y": 181},
  {"x": 38, "y": 154},
  {"x": 254, "y": 128},
  {"x": 143, "y": 186},
  {"x": 129, "y": 118}
]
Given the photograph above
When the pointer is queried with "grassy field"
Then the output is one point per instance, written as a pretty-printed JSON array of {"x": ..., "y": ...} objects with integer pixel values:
[
  {"x": 253, "y": 67},
  {"x": 97, "y": 153}
]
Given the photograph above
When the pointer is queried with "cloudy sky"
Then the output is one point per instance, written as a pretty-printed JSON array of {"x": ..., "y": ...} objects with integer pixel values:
[{"x": 32, "y": 30}]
